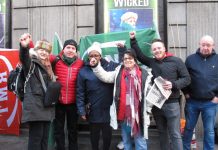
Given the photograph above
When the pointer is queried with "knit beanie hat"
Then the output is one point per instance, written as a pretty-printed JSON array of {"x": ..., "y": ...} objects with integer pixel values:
[
  {"x": 94, "y": 47},
  {"x": 43, "y": 44},
  {"x": 70, "y": 42}
]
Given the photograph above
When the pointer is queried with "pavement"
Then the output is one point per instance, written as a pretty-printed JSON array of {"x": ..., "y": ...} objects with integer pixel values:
[{"x": 11, "y": 142}]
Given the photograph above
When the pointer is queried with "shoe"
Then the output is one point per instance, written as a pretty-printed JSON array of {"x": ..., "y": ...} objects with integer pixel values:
[{"x": 120, "y": 145}]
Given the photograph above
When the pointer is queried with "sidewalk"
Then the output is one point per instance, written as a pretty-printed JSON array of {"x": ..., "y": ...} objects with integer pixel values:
[{"x": 11, "y": 142}]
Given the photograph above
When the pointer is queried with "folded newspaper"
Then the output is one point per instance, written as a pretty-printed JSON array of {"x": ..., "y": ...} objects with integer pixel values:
[{"x": 157, "y": 94}]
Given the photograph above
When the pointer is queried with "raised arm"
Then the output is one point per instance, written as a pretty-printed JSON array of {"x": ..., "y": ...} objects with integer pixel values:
[
  {"x": 25, "y": 44},
  {"x": 140, "y": 56},
  {"x": 121, "y": 49},
  {"x": 103, "y": 75}
]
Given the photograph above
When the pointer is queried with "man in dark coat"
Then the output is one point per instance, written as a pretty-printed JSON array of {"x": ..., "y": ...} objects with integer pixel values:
[
  {"x": 176, "y": 76},
  {"x": 90, "y": 90}
]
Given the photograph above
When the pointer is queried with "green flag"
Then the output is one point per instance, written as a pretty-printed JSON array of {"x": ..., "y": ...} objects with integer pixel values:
[
  {"x": 108, "y": 42},
  {"x": 56, "y": 48},
  {"x": 57, "y": 45}
]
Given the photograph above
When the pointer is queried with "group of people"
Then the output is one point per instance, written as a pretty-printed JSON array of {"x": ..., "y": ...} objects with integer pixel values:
[{"x": 111, "y": 94}]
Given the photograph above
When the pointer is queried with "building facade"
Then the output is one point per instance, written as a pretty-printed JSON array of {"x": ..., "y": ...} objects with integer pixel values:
[{"x": 181, "y": 22}]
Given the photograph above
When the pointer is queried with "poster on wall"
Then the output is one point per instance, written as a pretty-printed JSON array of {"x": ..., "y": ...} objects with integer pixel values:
[
  {"x": 2, "y": 22},
  {"x": 10, "y": 105},
  {"x": 130, "y": 15}
]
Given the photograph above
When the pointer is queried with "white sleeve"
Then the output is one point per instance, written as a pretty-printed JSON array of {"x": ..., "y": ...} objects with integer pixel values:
[{"x": 105, "y": 76}]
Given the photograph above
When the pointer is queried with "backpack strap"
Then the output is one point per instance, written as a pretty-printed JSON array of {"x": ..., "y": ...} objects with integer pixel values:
[
  {"x": 42, "y": 80},
  {"x": 31, "y": 70},
  {"x": 57, "y": 58}
]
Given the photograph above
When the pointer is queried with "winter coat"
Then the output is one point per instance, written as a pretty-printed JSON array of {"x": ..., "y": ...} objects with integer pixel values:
[
  {"x": 171, "y": 68},
  {"x": 114, "y": 77},
  {"x": 204, "y": 76},
  {"x": 33, "y": 108},
  {"x": 67, "y": 76},
  {"x": 99, "y": 94}
]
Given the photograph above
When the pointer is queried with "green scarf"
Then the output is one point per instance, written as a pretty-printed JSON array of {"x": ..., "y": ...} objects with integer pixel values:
[{"x": 68, "y": 60}]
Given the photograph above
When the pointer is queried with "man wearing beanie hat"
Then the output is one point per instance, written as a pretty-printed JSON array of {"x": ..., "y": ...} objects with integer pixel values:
[
  {"x": 70, "y": 42},
  {"x": 91, "y": 90},
  {"x": 66, "y": 70}
]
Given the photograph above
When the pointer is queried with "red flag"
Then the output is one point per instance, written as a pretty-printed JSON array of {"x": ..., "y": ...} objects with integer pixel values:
[{"x": 10, "y": 106}]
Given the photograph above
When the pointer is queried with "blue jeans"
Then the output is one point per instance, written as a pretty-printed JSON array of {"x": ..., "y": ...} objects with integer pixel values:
[
  {"x": 168, "y": 124},
  {"x": 140, "y": 142},
  {"x": 193, "y": 108}
]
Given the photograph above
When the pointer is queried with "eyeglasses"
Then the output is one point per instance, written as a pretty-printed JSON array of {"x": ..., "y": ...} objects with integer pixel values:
[
  {"x": 94, "y": 55},
  {"x": 127, "y": 58}
]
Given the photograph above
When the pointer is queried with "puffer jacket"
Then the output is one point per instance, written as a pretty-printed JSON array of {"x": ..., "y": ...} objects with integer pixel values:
[
  {"x": 67, "y": 76},
  {"x": 33, "y": 108},
  {"x": 114, "y": 77}
]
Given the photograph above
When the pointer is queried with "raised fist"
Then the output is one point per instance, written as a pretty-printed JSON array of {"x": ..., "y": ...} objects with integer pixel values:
[
  {"x": 25, "y": 39},
  {"x": 132, "y": 34}
]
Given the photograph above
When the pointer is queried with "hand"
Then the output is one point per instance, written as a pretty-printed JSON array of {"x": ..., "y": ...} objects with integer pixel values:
[
  {"x": 187, "y": 96},
  {"x": 83, "y": 117},
  {"x": 132, "y": 34},
  {"x": 93, "y": 62},
  {"x": 167, "y": 85},
  {"x": 215, "y": 100},
  {"x": 120, "y": 45},
  {"x": 25, "y": 39}
]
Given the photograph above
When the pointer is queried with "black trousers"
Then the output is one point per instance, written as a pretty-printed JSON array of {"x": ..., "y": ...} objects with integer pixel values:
[
  {"x": 95, "y": 130},
  {"x": 38, "y": 135},
  {"x": 70, "y": 111}
]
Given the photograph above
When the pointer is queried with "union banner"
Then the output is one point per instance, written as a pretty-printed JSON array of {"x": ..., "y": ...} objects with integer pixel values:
[{"x": 10, "y": 106}]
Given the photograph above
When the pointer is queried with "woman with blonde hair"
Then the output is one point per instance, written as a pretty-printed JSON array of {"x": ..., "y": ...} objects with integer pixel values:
[{"x": 35, "y": 61}]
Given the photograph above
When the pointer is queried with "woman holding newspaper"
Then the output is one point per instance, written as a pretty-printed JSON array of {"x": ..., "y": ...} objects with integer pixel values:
[
  {"x": 129, "y": 106},
  {"x": 176, "y": 76}
]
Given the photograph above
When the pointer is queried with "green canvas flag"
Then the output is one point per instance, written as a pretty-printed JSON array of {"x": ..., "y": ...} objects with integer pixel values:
[
  {"x": 56, "y": 49},
  {"x": 57, "y": 45},
  {"x": 108, "y": 42}
]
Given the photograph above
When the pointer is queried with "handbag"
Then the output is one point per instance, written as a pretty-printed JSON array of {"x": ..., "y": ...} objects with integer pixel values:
[{"x": 52, "y": 91}]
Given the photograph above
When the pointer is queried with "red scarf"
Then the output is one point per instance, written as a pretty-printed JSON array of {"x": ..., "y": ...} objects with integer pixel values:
[{"x": 134, "y": 93}]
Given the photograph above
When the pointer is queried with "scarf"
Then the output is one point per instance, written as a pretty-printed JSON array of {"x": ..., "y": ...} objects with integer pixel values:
[
  {"x": 46, "y": 63},
  {"x": 68, "y": 60},
  {"x": 129, "y": 110}
]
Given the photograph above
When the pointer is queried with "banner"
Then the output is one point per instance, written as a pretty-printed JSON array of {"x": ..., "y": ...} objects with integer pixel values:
[
  {"x": 128, "y": 15},
  {"x": 10, "y": 106},
  {"x": 108, "y": 42}
]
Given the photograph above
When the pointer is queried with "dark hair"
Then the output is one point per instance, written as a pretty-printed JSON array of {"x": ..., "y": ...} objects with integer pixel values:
[
  {"x": 131, "y": 52},
  {"x": 159, "y": 40},
  {"x": 70, "y": 42}
]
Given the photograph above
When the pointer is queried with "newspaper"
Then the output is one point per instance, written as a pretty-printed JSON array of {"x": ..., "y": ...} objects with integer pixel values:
[{"x": 157, "y": 94}]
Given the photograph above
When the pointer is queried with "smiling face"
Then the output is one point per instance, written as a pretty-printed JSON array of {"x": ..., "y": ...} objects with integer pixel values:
[
  {"x": 206, "y": 45},
  {"x": 94, "y": 57},
  {"x": 158, "y": 50},
  {"x": 128, "y": 61},
  {"x": 42, "y": 54},
  {"x": 70, "y": 51}
]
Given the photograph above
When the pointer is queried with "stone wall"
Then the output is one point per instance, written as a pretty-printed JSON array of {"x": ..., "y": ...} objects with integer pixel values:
[{"x": 42, "y": 18}]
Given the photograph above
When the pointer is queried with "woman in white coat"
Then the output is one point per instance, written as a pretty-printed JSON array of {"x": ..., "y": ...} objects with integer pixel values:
[{"x": 131, "y": 85}]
